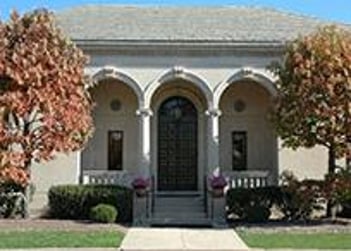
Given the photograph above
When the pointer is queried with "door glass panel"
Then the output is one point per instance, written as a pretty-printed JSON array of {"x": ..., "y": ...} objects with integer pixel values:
[{"x": 177, "y": 145}]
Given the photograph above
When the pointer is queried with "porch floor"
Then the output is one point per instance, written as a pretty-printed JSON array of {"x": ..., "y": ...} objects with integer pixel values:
[{"x": 201, "y": 239}]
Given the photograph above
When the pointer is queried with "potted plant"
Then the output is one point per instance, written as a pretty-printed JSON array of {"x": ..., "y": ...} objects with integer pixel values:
[
  {"x": 141, "y": 185},
  {"x": 217, "y": 183}
]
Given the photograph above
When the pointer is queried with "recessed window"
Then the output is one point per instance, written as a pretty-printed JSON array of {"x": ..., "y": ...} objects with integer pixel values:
[
  {"x": 239, "y": 105},
  {"x": 115, "y": 105},
  {"x": 239, "y": 150},
  {"x": 115, "y": 150}
]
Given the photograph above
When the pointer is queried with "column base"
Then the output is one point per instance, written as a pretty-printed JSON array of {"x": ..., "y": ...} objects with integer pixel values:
[
  {"x": 140, "y": 210},
  {"x": 218, "y": 211}
]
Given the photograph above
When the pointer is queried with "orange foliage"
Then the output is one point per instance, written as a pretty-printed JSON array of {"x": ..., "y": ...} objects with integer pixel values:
[
  {"x": 14, "y": 175},
  {"x": 45, "y": 107},
  {"x": 313, "y": 106}
]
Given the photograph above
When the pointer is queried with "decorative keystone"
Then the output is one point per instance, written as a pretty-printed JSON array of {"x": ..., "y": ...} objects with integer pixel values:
[
  {"x": 246, "y": 71},
  {"x": 178, "y": 70},
  {"x": 108, "y": 70}
]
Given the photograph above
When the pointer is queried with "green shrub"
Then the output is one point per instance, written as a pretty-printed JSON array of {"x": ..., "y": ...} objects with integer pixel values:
[
  {"x": 252, "y": 204},
  {"x": 75, "y": 201},
  {"x": 12, "y": 199},
  {"x": 345, "y": 209},
  {"x": 338, "y": 191},
  {"x": 103, "y": 213},
  {"x": 299, "y": 199},
  {"x": 295, "y": 199}
]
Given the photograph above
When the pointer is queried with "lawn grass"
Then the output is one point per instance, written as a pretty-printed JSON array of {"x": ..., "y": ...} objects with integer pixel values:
[
  {"x": 297, "y": 240},
  {"x": 37, "y": 239}
]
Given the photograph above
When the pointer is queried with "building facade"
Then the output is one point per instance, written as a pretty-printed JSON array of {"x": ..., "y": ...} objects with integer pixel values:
[{"x": 180, "y": 92}]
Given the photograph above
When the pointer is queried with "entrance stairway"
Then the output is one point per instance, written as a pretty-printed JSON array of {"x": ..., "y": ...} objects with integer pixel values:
[{"x": 179, "y": 210}]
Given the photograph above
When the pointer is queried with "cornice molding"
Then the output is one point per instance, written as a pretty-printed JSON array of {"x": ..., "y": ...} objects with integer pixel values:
[{"x": 181, "y": 47}]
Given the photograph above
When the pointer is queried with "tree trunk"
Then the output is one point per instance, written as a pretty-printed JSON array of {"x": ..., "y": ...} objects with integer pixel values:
[
  {"x": 27, "y": 166},
  {"x": 26, "y": 202},
  {"x": 27, "y": 190},
  {"x": 331, "y": 160},
  {"x": 331, "y": 170}
]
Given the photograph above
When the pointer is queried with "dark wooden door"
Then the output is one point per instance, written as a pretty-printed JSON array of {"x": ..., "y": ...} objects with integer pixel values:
[{"x": 177, "y": 145}]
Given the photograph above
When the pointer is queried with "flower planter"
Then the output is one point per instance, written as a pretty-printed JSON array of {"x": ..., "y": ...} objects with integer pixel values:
[
  {"x": 141, "y": 185},
  {"x": 140, "y": 192},
  {"x": 217, "y": 192}
]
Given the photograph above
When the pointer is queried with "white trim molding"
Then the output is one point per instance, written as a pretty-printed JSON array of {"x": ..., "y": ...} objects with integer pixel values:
[
  {"x": 115, "y": 73},
  {"x": 260, "y": 76},
  {"x": 178, "y": 72}
]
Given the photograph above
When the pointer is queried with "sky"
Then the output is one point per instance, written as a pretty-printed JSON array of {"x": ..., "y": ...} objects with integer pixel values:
[{"x": 336, "y": 10}]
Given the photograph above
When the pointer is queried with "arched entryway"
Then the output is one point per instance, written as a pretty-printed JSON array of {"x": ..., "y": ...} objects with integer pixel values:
[
  {"x": 247, "y": 142},
  {"x": 177, "y": 145},
  {"x": 198, "y": 95},
  {"x": 112, "y": 147}
]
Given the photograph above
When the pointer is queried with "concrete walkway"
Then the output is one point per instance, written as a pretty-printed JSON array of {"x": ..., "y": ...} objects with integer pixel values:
[
  {"x": 157, "y": 239},
  {"x": 117, "y": 249}
]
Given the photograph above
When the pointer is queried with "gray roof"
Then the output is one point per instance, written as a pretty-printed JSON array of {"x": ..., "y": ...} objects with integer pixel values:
[{"x": 226, "y": 24}]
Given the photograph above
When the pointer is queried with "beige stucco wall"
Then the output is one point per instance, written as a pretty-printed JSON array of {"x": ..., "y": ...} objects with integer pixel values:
[
  {"x": 310, "y": 163},
  {"x": 61, "y": 170},
  {"x": 146, "y": 68},
  {"x": 95, "y": 156},
  {"x": 304, "y": 163}
]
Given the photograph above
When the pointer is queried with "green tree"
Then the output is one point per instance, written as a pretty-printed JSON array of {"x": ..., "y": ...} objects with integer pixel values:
[{"x": 313, "y": 106}]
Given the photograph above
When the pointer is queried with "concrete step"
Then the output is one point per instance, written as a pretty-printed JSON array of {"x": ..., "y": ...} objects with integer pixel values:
[
  {"x": 179, "y": 211},
  {"x": 179, "y": 202},
  {"x": 186, "y": 215},
  {"x": 161, "y": 203},
  {"x": 190, "y": 206},
  {"x": 176, "y": 211},
  {"x": 180, "y": 221}
]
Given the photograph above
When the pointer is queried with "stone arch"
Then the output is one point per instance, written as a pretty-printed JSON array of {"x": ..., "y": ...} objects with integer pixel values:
[
  {"x": 261, "y": 77},
  {"x": 179, "y": 73},
  {"x": 115, "y": 73}
]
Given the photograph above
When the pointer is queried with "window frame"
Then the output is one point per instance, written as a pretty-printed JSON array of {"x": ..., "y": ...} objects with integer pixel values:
[
  {"x": 243, "y": 134},
  {"x": 110, "y": 141}
]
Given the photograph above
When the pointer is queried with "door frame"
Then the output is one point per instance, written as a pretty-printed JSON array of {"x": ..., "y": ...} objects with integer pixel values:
[
  {"x": 201, "y": 139},
  {"x": 177, "y": 185}
]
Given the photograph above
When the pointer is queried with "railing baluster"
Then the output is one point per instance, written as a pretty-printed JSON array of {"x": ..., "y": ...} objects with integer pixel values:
[
  {"x": 247, "y": 179},
  {"x": 101, "y": 177}
]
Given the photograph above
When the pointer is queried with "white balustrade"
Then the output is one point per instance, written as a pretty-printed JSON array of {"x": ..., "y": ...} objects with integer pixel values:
[
  {"x": 104, "y": 177},
  {"x": 247, "y": 179}
]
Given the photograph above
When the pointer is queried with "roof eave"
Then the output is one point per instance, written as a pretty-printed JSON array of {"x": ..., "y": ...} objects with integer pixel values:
[{"x": 192, "y": 45}]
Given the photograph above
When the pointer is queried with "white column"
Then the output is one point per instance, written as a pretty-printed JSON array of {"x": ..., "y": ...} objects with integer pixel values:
[
  {"x": 79, "y": 170},
  {"x": 144, "y": 140},
  {"x": 213, "y": 139}
]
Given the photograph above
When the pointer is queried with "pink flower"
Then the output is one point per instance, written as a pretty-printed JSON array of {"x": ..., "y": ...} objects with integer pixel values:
[
  {"x": 141, "y": 183},
  {"x": 217, "y": 181}
]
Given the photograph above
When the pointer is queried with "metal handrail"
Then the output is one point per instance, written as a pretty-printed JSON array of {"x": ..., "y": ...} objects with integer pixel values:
[
  {"x": 153, "y": 194},
  {"x": 206, "y": 195},
  {"x": 208, "y": 198}
]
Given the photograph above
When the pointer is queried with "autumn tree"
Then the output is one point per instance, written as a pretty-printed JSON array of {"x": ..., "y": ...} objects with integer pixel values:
[
  {"x": 45, "y": 107},
  {"x": 313, "y": 106}
]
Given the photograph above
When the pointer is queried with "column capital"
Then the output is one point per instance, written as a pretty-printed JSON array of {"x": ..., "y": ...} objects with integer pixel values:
[
  {"x": 144, "y": 112},
  {"x": 213, "y": 112}
]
